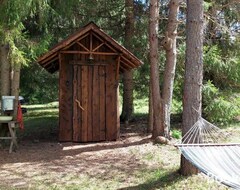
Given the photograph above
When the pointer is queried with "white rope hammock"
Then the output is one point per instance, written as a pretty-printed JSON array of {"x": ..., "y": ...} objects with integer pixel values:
[{"x": 221, "y": 161}]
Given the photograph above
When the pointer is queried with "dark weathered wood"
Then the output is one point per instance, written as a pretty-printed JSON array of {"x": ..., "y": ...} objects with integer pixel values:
[
  {"x": 88, "y": 62},
  {"x": 117, "y": 112},
  {"x": 69, "y": 44},
  {"x": 88, "y": 52},
  {"x": 102, "y": 102},
  {"x": 111, "y": 103},
  {"x": 90, "y": 94},
  {"x": 84, "y": 86},
  {"x": 118, "y": 67},
  {"x": 106, "y": 44},
  {"x": 78, "y": 131},
  {"x": 96, "y": 109},
  {"x": 129, "y": 63},
  {"x": 48, "y": 59},
  {"x": 124, "y": 65},
  {"x": 82, "y": 37},
  {"x": 91, "y": 41},
  {"x": 81, "y": 45},
  {"x": 76, "y": 136},
  {"x": 111, "y": 48},
  {"x": 98, "y": 37},
  {"x": 79, "y": 96},
  {"x": 96, "y": 48},
  {"x": 65, "y": 100},
  {"x": 122, "y": 69}
]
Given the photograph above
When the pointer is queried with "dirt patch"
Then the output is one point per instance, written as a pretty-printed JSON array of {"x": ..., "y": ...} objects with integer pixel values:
[
  {"x": 45, "y": 164},
  {"x": 123, "y": 164}
]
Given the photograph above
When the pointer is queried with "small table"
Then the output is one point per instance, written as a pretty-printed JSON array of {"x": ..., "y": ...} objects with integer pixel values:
[{"x": 12, "y": 126}]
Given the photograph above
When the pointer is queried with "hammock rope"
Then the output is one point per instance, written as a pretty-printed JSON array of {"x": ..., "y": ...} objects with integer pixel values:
[
  {"x": 204, "y": 132},
  {"x": 204, "y": 145}
]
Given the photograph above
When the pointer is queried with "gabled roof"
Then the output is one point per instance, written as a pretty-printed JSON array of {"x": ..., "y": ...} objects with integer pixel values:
[{"x": 50, "y": 60}]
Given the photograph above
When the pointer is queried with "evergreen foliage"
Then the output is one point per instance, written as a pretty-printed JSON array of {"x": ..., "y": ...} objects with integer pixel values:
[
  {"x": 219, "y": 106},
  {"x": 31, "y": 27}
]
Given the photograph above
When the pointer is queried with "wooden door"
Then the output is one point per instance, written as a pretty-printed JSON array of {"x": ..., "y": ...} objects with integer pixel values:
[{"x": 89, "y": 103}]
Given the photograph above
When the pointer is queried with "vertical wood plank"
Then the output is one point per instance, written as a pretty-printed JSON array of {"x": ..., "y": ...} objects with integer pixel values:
[
  {"x": 84, "y": 98},
  {"x": 111, "y": 103},
  {"x": 118, "y": 112},
  {"x": 95, "y": 105},
  {"x": 89, "y": 111},
  {"x": 78, "y": 90},
  {"x": 65, "y": 99},
  {"x": 117, "y": 98},
  {"x": 102, "y": 102},
  {"x": 76, "y": 131},
  {"x": 118, "y": 67},
  {"x": 79, "y": 96}
]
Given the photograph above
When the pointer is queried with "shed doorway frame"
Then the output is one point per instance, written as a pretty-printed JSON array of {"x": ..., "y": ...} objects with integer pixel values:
[{"x": 89, "y": 102}]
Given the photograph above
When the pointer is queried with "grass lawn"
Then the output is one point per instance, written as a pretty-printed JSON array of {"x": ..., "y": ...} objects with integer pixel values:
[{"x": 133, "y": 162}]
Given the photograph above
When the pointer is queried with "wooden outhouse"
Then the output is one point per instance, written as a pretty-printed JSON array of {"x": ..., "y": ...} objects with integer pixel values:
[{"x": 89, "y": 64}]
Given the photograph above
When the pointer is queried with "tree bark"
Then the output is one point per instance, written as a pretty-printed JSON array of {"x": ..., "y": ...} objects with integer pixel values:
[
  {"x": 169, "y": 44},
  {"x": 192, "y": 95},
  {"x": 154, "y": 69},
  {"x": 5, "y": 71},
  {"x": 5, "y": 78},
  {"x": 15, "y": 83},
  {"x": 127, "y": 108},
  {"x": 150, "y": 111}
]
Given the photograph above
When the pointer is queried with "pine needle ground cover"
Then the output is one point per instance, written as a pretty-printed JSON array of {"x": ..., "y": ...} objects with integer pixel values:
[{"x": 133, "y": 162}]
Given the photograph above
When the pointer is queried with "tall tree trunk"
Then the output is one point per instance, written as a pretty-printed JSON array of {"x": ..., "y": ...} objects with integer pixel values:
[
  {"x": 5, "y": 71},
  {"x": 5, "y": 78},
  {"x": 150, "y": 111},
  {"x": 15, "y": 83},
  {"x": 169, "y": 44},
  {"x": 154, "y": 69},
  {"x": 127, "y": 109},
  {"x": 192, "y": 95}
]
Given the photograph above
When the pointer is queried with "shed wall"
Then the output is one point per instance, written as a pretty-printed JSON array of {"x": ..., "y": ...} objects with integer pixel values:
[
  {"x": 88, "y": 102},
  {"x": 65, "y": 99}
]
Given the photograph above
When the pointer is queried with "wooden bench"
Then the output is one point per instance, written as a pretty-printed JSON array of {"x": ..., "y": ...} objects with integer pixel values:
[{"x": 12, "y": 126}]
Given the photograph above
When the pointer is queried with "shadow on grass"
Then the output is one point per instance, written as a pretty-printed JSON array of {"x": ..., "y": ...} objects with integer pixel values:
[
  {"x": 163, "y": 181},
  {"x": 44, "y": 126},
  {"x": 41, "y": 135}
]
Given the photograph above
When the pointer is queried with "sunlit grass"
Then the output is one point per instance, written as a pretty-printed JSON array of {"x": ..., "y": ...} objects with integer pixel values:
[
  {"x": 39, "y": 106},
  {"x": 40, "y": 122},
  {"x": 141, "y": 106}
]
